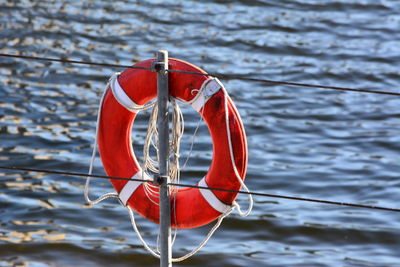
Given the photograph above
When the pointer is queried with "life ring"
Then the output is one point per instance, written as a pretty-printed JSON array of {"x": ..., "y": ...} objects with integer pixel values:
[{"x": 192, "y": 207}]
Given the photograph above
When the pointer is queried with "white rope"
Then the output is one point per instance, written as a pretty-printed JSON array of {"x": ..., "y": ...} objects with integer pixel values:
[
  {"x": 94, "y": 152},
  {"x": 132, "y": 216},
  {"x": 191, "y": 253},
  {"x": 177, "y": 131},
  {"x": 150, "y": 164},
  {"x": 194, "y": 135},
  {"x": 205, "y": 240},
  {"x": 209, "y": 88},
  {"x": 116, "y": 90},
  {"x": 250, "y": 197}
]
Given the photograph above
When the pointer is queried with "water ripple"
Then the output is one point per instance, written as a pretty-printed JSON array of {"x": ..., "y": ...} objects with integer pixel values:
[{"x": 303, "y": 142}]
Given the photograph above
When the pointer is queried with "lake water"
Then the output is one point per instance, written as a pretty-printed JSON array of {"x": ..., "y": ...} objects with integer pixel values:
[{"x": 304, "y": 142}]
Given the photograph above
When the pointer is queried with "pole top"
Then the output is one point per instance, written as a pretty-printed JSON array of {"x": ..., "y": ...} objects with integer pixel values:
[
  {"x": 163, "y": 52},
  {"x": 161, "y": 64}
]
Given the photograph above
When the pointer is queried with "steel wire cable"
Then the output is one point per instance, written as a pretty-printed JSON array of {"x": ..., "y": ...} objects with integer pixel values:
[
  {"x": 221, "y": 75},
  {"x": 261, "y": 194},
  {"x": 61, "y": 60},
  {"x": 226, "y": 76},
  {"x": 311, "y": 85}
]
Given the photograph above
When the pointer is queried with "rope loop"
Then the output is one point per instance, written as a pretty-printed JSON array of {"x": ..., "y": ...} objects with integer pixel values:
[{"x": 150, "y": 164}]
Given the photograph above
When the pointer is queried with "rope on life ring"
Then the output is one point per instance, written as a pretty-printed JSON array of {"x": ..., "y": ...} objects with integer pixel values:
[{"x": 130, "y": 92}]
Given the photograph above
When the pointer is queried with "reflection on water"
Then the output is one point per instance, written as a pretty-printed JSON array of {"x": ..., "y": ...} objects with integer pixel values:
[{"x": 303, "y": 142}]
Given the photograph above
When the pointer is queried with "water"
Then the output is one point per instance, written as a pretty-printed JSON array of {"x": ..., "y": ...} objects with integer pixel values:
[{"x": 303, "y": 142}]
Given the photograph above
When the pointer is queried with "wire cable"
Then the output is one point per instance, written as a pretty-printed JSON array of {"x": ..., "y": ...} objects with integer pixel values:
[
  {"x": 72, "y": 174},
  {"x": 211, "y": 75},
  {"x": 222, "y": 75},
  {"x": 261, "y": 194},
  {"x": 61, "y": 60}
]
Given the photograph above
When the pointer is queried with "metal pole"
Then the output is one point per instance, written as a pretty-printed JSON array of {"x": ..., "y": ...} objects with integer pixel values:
[{"x": 163, "y": 157}]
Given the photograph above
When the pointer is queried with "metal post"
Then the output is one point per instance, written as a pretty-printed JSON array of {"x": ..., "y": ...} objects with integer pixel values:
[{"x": 163, "y": 157}]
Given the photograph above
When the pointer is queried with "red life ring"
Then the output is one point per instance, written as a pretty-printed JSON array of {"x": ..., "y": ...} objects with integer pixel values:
[{"x": 192, "y": 207}]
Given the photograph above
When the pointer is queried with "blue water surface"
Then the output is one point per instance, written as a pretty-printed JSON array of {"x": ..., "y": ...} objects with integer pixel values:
[{"x": 304, "y": 142}]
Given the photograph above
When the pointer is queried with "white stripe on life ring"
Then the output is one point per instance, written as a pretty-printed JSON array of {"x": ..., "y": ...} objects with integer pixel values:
[
  {"x": 131, "y": 186},
  {"x": 121, "y": 96},
  {"x": 208, "y": 89},
  {"x": 209, "y": 196}
]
